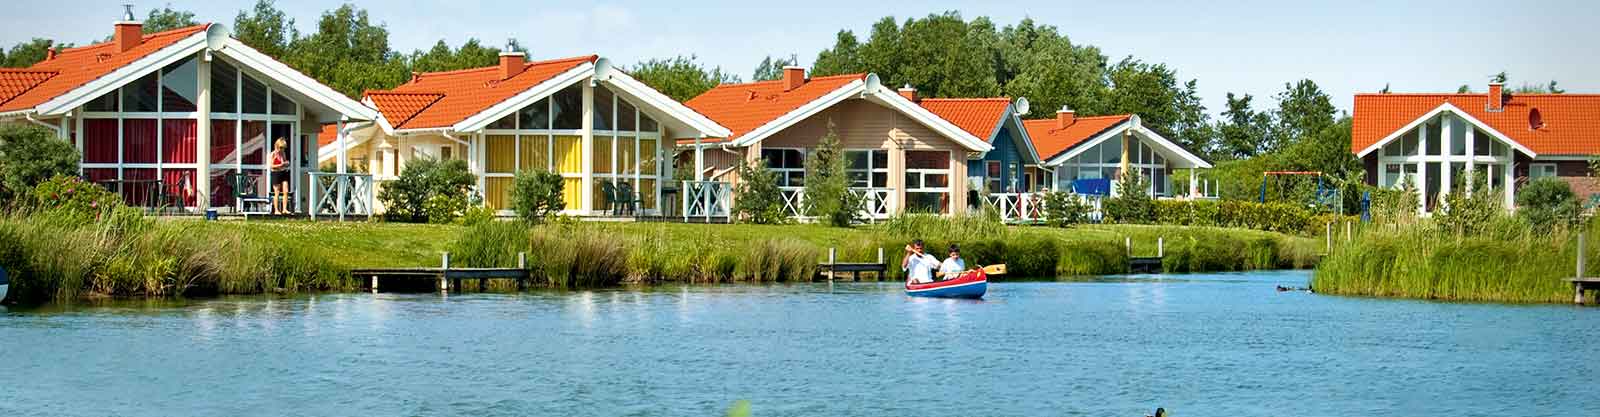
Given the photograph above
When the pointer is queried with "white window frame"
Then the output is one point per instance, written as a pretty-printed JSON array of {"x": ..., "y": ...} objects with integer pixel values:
[
  {"x": 1537, "y": 170},
  {"x": 872, "y": 168}
]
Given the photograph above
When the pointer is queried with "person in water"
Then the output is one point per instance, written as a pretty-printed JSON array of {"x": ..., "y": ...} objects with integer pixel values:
[
  {"x": 919, "y": 266},
  {"x": 953, "y": 266}
]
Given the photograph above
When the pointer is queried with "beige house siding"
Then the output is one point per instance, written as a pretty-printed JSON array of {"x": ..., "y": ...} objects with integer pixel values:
[{"x": 861, "y": 124}]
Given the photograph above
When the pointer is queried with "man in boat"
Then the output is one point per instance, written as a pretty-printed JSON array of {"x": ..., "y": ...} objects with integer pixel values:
[
  {"x": 919, "y": 266},
  {"x": 953, "y": 266}
]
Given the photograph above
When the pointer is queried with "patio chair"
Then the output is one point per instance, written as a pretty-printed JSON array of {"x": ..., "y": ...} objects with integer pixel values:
[
  {"x": 608, "y": 191},
  {"x": 629, "y": 199},
  {"x": 245, "y": 197}
]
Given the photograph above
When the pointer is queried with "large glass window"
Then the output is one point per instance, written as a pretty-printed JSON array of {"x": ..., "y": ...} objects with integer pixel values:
[
  {"x": 567, "y": 108},
  {"x": 140, "y": 95},
  {"x": 536, "y": 116},
  {"x": 603, "y": 109},
  {"x": 180, "y": 86},
  {"x": 927, "y": 181},
  {"x": 281, "y": 104},
  {"x": 1537, "y": 171},
  {"x": 868, "y": 168},
  {"x": 1458, "y": 136},
  {"x": 1432, "y": 129},
  {"x": 255, "y": 96},
  {"x": 224, "y": 87},
  {"x": 788, "y": 164}
]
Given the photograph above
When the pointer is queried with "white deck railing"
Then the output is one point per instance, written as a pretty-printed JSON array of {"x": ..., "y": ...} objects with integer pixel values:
[
  {"x": 706, "y": 199},
  {"x": 1029, "y": 207},
  {"x": 341, "y": 195},
  {"x": 876, "y": 203}
]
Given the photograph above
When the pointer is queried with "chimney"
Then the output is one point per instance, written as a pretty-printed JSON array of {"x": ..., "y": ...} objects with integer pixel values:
[
  {"x": 909, "y": 92},
  {"x": 129, "y": 31},
  {"x": 793, "y": 77},
  {"x": 50, "y": 53},
  {"x": 1497, "y": 98},
  {"x": 512, "y": 62},
  {"x": 1065, "y": 117}
]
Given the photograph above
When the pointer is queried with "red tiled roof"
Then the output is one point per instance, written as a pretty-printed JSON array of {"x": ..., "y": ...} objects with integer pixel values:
[
  {"x": 1571, "y": 122},
  {"x": 461, "y": 94},
  {"x": 1052, "y": 142},
  {"x": 402, "y": 106},
  {"x": 977, "y": 116},
  {"x": 77, "y": 66},
  {"x": 328, "y": 134},
  {"x": 744, "y": 107}
]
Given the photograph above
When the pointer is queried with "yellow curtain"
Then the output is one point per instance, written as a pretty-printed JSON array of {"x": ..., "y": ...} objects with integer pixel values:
[
  {"x": 647, "y": 156},
  {"x": 647, "y": 190},
  {"x": 535, "y": 151},
  {"x": 497, "y": 192},
  {"x": 572, "y": 192},
  {"x": 602, "y": 155},
  {"x": 569, "y": 155},
  {"x": 626, "y": 155},
  {"x": 501, "y": 154}
]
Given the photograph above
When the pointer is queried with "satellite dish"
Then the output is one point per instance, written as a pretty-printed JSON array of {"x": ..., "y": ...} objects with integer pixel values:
[
  {"x": 1022, "y": 105},
  {"x": 1535, "y": 120},
  {"x": 217, "y": 36},
  {"x": 602, "y": 69},
  {"x": 872, "y": 82}
]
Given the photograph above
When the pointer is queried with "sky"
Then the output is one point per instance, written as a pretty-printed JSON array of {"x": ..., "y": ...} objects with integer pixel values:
[{"x": 1244, "y": 47}]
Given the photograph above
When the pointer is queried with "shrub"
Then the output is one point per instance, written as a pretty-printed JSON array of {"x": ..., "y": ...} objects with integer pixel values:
[
  {"x": 75, "y": 198},
  {"x": 30, "y": 155},
  {"x": 1468, "y": 212},
  {"x": 1062, "y": 209},
  {"x": 409, "y": 197},
  {"x": 827, "y": 189},
  {"x": 476, "y": 215},
  {"x": 536, "y": 195},
  {"x": 1548, "y": 203},
  {"x": 760, "y": 201},
  {"x": 444, "y": 209},
  {"x": 1395, "y": 205},
  {"x": 1132, "y": 203}
]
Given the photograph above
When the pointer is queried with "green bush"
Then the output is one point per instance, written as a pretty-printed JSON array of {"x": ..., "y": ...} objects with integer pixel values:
[
  {"x": 75, "y": 198},
  {"x": 536, "y": 195},
  {"x": 1062, "y": 209},
  {"x": 476, "y": 215},
  {"x": 1548, "y": 203},
  {"x": 410, "y": 197},
  {"x": 1468, "y": 212},
  {"x": 30, "y": 155},
  {"x": 1132, "y": 204},
  {"x": 760, "y": 200}
]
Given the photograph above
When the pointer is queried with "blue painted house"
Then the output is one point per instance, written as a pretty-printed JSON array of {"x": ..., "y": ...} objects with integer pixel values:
[{"x": 1012, "y": 166}]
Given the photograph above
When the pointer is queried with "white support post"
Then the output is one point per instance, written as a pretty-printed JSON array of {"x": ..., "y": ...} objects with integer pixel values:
[
  {"x": 444, "y": 273},
  {"x": 344, "y": 146},
  {"x": 1472, "y": 136},
  {"x": 1444, "y": 156},
  {"x": 1194, "y": 187},
  {"x": 1510, "y": 178},
  {"x": 587, "y": 184}
]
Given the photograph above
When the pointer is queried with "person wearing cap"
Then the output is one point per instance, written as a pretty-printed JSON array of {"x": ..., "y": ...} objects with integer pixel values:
[{"x": 953, "y": 266}]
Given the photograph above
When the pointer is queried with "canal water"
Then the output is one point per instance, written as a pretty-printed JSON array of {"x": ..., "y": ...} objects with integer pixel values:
[{"x": 1199, "y": 345}]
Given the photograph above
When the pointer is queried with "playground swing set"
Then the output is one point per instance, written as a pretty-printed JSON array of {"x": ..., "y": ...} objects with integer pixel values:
[{"x": 1327, "y": 194}]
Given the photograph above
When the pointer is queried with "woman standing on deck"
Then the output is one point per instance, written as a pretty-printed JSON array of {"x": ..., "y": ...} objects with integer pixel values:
[{"x": 280, "y": 177}]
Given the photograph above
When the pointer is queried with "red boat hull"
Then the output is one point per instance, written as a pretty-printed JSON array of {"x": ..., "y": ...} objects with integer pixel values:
[{"x": 972, "y": 284}]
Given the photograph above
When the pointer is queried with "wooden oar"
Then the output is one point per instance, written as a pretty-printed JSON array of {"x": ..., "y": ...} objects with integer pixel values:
[{"x": 996, "y": 269}]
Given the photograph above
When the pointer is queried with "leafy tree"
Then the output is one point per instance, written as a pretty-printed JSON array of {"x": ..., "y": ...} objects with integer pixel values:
[
  {"x": 1062, "y": 209},
  {"x": 165, "y": 19},
  {"x": 679, "y": 77},
  {"x": 1327, "y": 150},
  {"x": 843, "y": 58},
  {"x": 1242, "y": 132},
  {"x": 760, "y": 200},
  {"x": 349, "y": 53},
  {"x": 423, "y": 181},
  {"x": 1153, "y": 93},
  {"x": 30, "y": 155},
  {"x": 28, "y": 53},
  {"x": 827, "y": 189},
  {"x": 471, "y": 54},
  {"x": 1303, "y": 109},
  {"x": 771, "y": 69},
  {"x": 536, "y": 195},
  {"x": 266, "y": 29}
]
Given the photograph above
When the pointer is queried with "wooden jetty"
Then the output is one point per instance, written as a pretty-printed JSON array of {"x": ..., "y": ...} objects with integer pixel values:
[
  {"x": 833, "y": 267},
  {"x": 1145, "y": 264},
  {"x": 1581, "y": 283},
  {"x": 448, "y": 278}
]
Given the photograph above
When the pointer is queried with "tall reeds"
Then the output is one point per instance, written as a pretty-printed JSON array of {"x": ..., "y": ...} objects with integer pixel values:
[
  {"x": 1505, "y": 264},
  {"x": 52, "y": 256}
]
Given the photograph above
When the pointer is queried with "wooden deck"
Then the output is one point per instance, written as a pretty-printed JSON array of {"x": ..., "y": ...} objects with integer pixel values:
[
  {"x": 1579, "y": 285},
  {"x": 1144, "y": 265},
  {"x": 833, "y": 267},
  {"x": 448, "y": 278}
]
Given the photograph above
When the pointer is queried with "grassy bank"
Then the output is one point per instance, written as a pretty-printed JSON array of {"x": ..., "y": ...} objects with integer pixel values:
[
  {"x": 1417, "y": 261},
  {"x": 54, "y": 259}
]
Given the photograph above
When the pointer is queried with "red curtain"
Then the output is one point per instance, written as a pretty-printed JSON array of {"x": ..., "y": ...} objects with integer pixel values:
[
  {"x": 222, "y": 141},
  {"x": 136, "y": 192},
  {"x": 179, "y": 183},
  {"x": 178, "y": 141},
  {"x": 139, "y": 141},
  {"x": 255, "y": 140},
  {"x": 96, "y": 175},
  {"x": 100, "y": 142}
]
